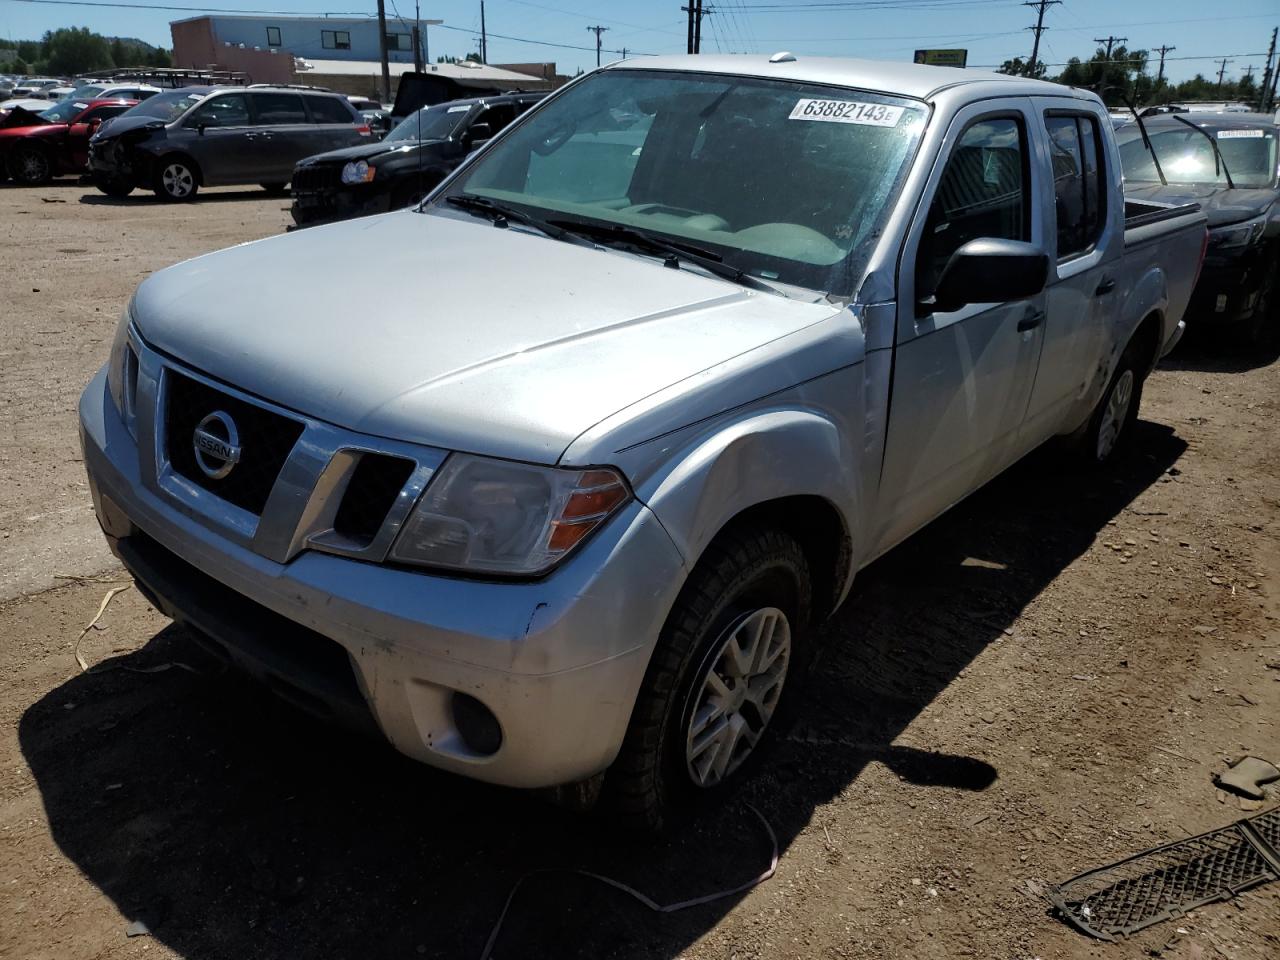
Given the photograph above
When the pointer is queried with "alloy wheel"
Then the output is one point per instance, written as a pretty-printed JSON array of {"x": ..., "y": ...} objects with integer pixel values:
[
  {"x": 737, "y": 694},
  {"x": 177, "y": 180},
  {"x": 1115, "y": 414}
]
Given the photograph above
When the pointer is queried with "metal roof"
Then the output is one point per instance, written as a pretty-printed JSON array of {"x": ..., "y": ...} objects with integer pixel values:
[{"x": 908, "y": 79}]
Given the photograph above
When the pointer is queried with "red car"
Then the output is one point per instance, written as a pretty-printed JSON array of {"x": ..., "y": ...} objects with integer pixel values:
[{"x": 35, "y": 147}]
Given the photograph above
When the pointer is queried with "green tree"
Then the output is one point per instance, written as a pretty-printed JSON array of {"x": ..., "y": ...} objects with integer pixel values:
[
  {"x": 28, "y": 50},
  {"x": 75, "y": 50},
  {"x": 20, "y": 67},
  {"x": 1018, "y": 67}
]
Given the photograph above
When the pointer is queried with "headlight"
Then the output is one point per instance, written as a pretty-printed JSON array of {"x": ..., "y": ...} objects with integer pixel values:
[
  {"x": 122, "y": 371},
  {"x": 496, "y": 516},
  {"x": 1237, "y": 235},
  {"x": 358, "y": 171}
]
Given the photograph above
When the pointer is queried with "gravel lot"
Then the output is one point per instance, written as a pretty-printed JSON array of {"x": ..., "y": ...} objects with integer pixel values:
[{"x": 1043, "y": 681}]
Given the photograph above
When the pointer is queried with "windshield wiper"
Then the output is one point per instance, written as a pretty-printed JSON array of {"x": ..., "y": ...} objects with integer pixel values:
[
  {"x": 501, "y": 215},
  {"x": 674, "y": 251},
  {"x": 1217, "y": 154}
]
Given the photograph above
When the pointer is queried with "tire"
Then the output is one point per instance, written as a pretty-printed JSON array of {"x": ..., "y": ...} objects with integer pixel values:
[
  {"x": 114, "y": 188},
  {"x": 275, "y": 189},
  {"x": 1111, "y": 424},
  {"x": 176, "y": 179},
  {"x": 30, "y": 166},
  {"x": 683, "y": 747},
  {"x": 1263, "y": 330}
]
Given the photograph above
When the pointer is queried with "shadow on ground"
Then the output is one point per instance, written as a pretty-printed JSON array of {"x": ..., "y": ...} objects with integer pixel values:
[
  {"x": 237, "y": 828},
  {"x": 204, "y": 196},
  {"x": 1206, "y": 349}
]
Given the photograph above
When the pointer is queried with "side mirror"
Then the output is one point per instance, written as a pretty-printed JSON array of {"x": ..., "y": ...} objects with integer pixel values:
[
  {"x": 201, "y": 127},
  {"x": 478, "y": 134},
  {"x": 989, "y": 270}
]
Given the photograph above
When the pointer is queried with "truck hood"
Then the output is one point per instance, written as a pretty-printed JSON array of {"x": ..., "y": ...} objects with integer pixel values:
[
  {"x": 370, "y": 152},
  {"x": 491, "y": 340},
  {"x": 1223, "y": 207}
]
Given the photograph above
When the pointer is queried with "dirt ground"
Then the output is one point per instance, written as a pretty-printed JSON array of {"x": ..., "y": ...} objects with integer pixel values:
[{"x": 1043, "y": 681}]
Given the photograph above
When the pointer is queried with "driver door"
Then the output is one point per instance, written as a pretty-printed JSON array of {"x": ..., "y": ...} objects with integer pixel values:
[
  {"x": 224, "y": 148},
  {"x": 962, "y": 378}
]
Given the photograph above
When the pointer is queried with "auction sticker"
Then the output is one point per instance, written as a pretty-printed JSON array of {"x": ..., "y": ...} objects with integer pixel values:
[
  {"x": 846, "y": 111},
  {"x": 1241, "y": 134}
]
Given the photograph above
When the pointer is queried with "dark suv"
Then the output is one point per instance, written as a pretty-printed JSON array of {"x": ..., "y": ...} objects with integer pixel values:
[
  {"x": 176, "y": 142},
  {"x": 404, "y": 166}
]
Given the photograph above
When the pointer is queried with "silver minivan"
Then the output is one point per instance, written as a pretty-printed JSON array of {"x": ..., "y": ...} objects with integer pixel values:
[{"x": 176, "y": 142}]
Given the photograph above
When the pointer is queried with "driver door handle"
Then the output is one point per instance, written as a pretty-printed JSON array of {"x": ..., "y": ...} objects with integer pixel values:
[
  {"x": 1105, "y": 287},
  {"x": 1030, "y": 320}
]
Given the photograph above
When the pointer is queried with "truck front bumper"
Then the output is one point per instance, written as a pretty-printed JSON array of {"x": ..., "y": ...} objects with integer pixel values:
[
  {"x": 557, "y": 662},
  {"x": 1230, "y": 288}
]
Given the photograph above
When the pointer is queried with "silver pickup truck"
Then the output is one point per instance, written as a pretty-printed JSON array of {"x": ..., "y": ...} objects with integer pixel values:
[{"x": 667, "y": 362}]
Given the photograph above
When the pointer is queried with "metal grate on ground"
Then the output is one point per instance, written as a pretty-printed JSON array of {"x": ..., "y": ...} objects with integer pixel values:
[{"x": 1115, "y": 901}]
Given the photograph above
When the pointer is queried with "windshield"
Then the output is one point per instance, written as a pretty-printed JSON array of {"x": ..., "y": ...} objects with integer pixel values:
[
  {"x": 64, "y": 111},
  {"x": 785, "y": 181},
  {"x": 1187, "y": 156},
  {"x": 431, "y": 123},
  {"x": 166, "y": 106}
]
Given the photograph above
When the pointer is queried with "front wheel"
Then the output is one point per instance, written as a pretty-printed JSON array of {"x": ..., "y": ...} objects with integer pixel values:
[
  {"x": 113, "y": 188},
  {"x": 175, "y": 180},
  {"x": 31, "y": 166},
  {"x": 730, "y": 657}
]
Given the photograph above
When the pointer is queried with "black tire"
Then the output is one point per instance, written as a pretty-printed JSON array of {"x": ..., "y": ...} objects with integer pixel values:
[
  {"x": 1095, "y": 449},
  {"x": 113, "y": 188},
  {"x": 743, "y": 573},
  {"x": 175, "y": 179},
  {"x": 275, "y": 189},
  {"x": 30, "y": 166}
]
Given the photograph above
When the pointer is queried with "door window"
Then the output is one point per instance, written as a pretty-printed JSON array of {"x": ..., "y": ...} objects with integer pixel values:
[
  {"x": 984, "y": 192},
  {"x": 1078, "y": 190},
  {"x": 229, "y": 110},
  {"x": 102, "y": 113},
  {"x": 279, "y": 108},
  {"x": 497, "y": 116},
  {"x": 329, "y": 110}
]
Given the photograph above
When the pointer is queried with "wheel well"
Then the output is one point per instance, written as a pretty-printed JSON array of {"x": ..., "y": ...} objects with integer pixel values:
[
  {"x": 1146, "y": 339},
  {"x": 186, "y": 158},
  {"x": 819, "y": 529}
]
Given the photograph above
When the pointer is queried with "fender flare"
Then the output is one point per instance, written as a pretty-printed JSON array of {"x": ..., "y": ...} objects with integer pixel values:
[{"x": 765, "y": 456}]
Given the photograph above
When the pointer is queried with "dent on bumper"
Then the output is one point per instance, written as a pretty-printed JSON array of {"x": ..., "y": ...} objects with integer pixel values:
[{"x": 558, "y": 661}]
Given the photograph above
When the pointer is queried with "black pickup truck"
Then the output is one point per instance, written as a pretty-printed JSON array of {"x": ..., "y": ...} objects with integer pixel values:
[{"x": 404, "y": 166}]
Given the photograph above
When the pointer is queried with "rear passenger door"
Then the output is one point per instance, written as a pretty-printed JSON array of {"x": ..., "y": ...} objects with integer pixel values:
[
  {"x": 962, "y": 378},
  {"x": 1085, "y": 240},
  {"x": 334, "y": 124},
  {"x": 282, "y": 135}
]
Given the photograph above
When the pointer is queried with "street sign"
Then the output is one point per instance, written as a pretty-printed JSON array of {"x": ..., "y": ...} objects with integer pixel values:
[{"x": 943, "y": 58}]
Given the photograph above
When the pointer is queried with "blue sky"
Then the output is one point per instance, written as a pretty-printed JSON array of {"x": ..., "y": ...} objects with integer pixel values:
[{"x": 992, "y": 30}]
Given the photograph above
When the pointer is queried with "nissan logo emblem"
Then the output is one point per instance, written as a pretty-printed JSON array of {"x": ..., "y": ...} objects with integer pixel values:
[{"x": 217, "y": 445}]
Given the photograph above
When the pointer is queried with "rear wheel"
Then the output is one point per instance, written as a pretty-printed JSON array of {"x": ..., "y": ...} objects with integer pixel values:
[
  {"x": 730, "y": 658},
  {"x": 1112, "y": 422},
  {"x": 30, "y": 165},
  {"x": 175, "y": 179}
]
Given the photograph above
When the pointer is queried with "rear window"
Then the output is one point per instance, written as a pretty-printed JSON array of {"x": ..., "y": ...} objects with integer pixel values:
[
  {"x": 329, "y": 110},
  {"x": 279, "y": 108}
]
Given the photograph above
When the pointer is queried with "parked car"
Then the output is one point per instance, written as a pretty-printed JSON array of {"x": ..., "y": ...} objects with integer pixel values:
[
  {"x": 34, "y": 88},
  {"x": 401, "y": 169},
  {"x": 24, "y": 103},
  {"x": 567, "y": 511},
  {"x": 176, "y": 142},
  {"x": 1228, "y": 164},
  {"x": 54, "y": 142},
  {"x": 103, "y": 89},
  {"x": 375, "y": 114}
]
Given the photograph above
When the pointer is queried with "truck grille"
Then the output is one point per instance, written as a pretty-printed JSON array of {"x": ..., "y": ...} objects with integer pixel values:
[
  {"x": 266, "y": 439},
  {"x": 374, "y": 487},
  {"x": 316, "y": 178}
]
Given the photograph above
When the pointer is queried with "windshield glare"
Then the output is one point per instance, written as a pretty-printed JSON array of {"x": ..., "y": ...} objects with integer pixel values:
[
  {"x": 430, "y": 123},
  {"x": 165, "y": 106},
  {"x": 64, "y": 111},
  {"x": 1187, "y": 156},
  {"x": 786, "y": 181}
]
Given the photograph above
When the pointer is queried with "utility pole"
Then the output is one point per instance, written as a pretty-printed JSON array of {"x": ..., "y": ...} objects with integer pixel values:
[
  {"x": 1039, "y": 28},
  {"x": 1162, "y": 50},
  {"x": 696, "y": 13},
  {"x": 1222, "y": 70},
  {"x": 597, "y": 31},
  {"x": 382, "y": 51},
  {"x": 1264, "y": 99},
  {"x": 417, "y": 37},
  {"x": 484, "y": 37},
  {"x": 1109, "y": 41}
]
